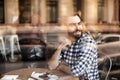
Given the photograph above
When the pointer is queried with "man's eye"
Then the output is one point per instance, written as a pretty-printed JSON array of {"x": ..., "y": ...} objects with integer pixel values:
[{"x": 79, "y": 23}]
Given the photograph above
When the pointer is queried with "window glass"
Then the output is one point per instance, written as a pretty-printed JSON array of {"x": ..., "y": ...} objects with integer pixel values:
[
  {"x": 25, "y": 11},
  {"x": 52, "y": 11},
  {"x": 119, "y": 10},
  {"x": 78, "y": 6},
  {"x": 1, "y": 11},
  {"x": 111, "y": 39},
  {"x": 101, "y": 10}
]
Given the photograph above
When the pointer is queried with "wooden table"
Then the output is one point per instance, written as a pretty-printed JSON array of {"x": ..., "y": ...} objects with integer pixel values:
[{"x": 25, "y": 73}]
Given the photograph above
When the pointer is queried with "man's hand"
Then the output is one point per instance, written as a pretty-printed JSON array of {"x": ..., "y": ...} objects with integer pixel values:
[{"x": 64, "y": 43}]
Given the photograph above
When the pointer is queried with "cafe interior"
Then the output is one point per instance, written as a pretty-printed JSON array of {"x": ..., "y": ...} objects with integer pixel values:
[{"x": 31, "y": 31}]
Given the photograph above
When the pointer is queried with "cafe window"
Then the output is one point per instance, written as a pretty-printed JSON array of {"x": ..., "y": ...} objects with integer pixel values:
[
  {"x": 52, "y": 11},
  {"x": 119, "y": 10},
  {"x": 1, "y": 11},
  {"x": 25, "y": 11},
  {"x": 101, "y": 10},
  {"x": 78, "y": 6}
]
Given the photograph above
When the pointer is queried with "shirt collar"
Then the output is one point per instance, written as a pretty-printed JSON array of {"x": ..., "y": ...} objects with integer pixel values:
[{"x": 80, "y": 39}]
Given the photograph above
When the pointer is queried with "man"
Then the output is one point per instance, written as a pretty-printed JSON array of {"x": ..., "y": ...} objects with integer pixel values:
[{"x": 80, "y": 56}]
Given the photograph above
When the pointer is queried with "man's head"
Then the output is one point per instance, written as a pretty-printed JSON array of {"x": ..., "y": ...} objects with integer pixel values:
[{"x": 75, "y": 26}]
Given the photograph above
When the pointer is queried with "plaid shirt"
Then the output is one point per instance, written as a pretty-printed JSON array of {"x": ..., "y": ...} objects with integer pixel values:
[{"x": 81, "y": 56}]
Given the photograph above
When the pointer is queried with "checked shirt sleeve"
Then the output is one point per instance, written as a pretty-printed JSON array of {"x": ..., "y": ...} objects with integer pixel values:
[{"x": 85, "y": 59}]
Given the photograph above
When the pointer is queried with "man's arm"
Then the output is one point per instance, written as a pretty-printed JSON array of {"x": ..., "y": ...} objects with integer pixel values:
[
  {"x": 54, "y": 61},
  {"x": 64, "y": 68}
]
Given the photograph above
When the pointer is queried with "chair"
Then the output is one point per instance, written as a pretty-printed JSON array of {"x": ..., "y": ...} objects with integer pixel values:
[
  {"x": 104, "y": 65},
  {"x": 12, "y": 42},
  {"x": 3, "y": 47}
]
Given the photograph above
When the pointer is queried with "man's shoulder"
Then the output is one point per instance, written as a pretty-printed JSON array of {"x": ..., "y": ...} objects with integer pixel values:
[{"x": 87, "y": 37}]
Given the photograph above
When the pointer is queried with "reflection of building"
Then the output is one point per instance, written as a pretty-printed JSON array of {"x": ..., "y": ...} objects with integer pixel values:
[{"x": 55, "y": 11}]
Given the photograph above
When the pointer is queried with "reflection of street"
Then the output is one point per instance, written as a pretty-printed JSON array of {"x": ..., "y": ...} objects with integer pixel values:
[
  {"x": 104, "y": 28},
  {"x": 108, "y": 44},
  {"x": 52, "y": 33},
  {"x": 112, "y": 50}
]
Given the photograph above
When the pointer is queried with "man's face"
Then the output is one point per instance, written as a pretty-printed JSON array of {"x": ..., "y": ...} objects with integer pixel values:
[{"x": 75, "y": 27}]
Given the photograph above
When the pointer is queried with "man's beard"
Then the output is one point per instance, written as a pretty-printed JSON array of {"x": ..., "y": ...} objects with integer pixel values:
[{"x": 74, "y": 34}]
